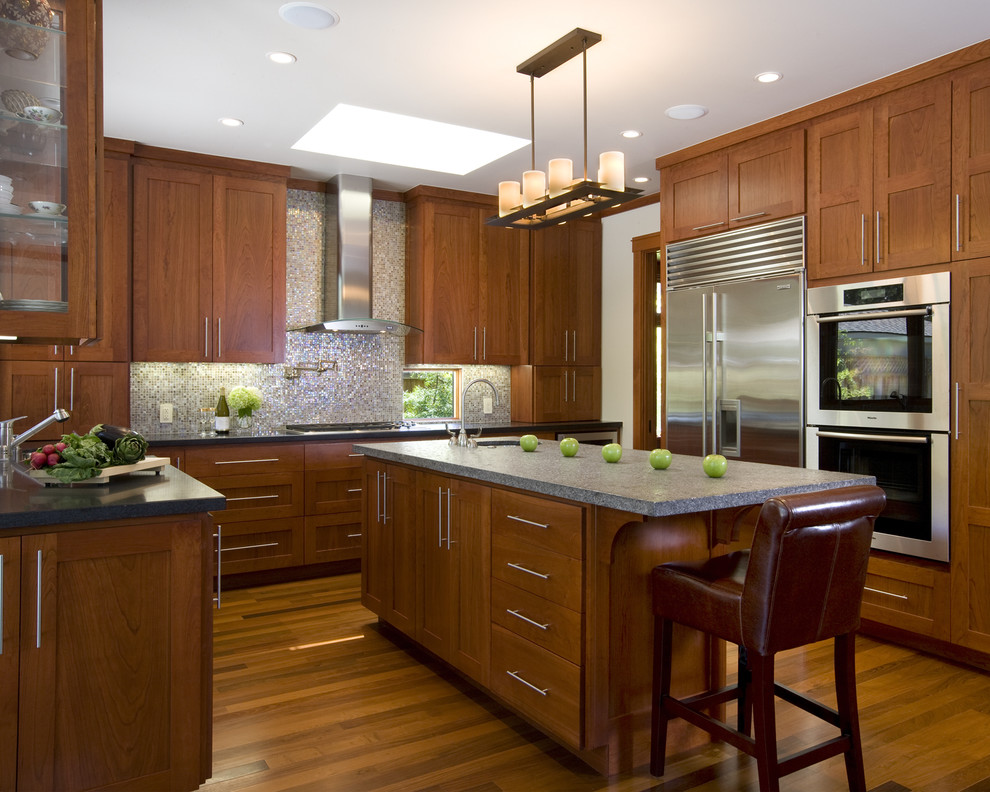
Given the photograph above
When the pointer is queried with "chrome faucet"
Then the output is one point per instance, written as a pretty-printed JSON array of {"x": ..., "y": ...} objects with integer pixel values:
[
  {"x": 463, "y": 439},
  {"x": 10, "y": 444}
]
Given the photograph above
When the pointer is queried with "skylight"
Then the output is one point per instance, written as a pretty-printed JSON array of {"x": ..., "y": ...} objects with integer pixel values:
[{"x": 393, "y": 139}]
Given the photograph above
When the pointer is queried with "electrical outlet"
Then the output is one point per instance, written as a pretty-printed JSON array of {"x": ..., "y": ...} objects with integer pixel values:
[
  {"x": 165, "y": 413},
  {"x": 487, "y": 405}
]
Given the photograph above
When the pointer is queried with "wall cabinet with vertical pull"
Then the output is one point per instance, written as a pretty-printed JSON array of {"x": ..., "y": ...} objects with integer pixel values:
[
  {"x": 556, "y": 393},
  {"x": 466, "y": 283},
  {"x": 66, "y": 597},
  {"x": 215, "y": 243},
  {"x": 454, "y": 542}
]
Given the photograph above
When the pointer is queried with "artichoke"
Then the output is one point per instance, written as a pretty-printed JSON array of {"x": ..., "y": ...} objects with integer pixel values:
[{"x": 129, "y": 449}]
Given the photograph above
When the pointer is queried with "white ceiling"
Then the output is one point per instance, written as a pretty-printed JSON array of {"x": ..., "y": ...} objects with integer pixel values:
[{"x": 173, "y": 67}]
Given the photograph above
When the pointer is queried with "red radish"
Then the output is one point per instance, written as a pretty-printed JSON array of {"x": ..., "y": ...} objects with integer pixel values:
[
  {"x": 60, "y": 446},
  {"x": 54, "y": 459},
  {"x": 49, "y": 449},
  {"x": 39, "y": 460}
]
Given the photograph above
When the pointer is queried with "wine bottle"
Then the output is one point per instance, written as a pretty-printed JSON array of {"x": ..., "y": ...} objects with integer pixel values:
[{"x": 222, "y": 415}]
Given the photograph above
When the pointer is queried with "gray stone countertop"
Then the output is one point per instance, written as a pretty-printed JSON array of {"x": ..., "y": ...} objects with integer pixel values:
[
  {"x": 628, "y": 485},
  {"x": 25, "y": 502}
]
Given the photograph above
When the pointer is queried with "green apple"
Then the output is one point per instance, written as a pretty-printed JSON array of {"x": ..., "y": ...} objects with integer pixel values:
[
  {"x": 529, "y": 442},
  {"x": 715, "y": 465},
  {"x": 660, "y": 458},
  {"x": 612, "y": 452},
  {"x": 569, "y": 447}
]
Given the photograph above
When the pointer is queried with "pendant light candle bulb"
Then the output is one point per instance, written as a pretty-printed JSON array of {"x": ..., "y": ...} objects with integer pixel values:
[
  {"x": 509, "y": 197},
  {"x": 611, "y": 171},
  {"x": 534, "y": 187},
  {"x": 561, "y": 174}
]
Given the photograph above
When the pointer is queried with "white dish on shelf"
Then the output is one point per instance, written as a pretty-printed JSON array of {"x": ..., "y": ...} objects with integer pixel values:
[
  {"x": 47, "y": 208},
  {"x": 10, "y": 209}
]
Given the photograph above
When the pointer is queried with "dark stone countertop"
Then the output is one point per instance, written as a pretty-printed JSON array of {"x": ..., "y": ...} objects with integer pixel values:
[
  {"x": 628, "y": 485},
  {"x": 26, "y": 502}
]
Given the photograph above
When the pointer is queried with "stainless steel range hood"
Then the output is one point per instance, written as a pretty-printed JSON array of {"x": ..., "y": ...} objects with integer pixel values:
[{"x": 347, "y": 296}]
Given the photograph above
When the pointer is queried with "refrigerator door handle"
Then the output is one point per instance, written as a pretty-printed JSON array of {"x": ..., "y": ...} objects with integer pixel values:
[
  {"x": 716, "y": 338},
  {"x": 705, "y": 339}
]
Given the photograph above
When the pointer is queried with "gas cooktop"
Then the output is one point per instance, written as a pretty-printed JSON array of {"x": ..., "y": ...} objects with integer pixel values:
[{"x": 327, "y": 428}]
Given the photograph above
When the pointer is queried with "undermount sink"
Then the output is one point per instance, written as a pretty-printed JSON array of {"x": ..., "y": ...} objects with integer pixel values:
[{"x": 498, "y": 441}]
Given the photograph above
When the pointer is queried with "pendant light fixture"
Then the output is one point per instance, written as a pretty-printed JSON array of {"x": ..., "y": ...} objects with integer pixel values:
[{"x": 540, "y": 202}]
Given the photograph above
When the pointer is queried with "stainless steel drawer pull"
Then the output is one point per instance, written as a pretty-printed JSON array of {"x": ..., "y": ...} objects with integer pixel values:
[
  {"x": 887, "y": 593},
  {"x": 253, "y": 497},
  {"x": 248, "y": 547},
  {"x": 245, "y": 461},
  {"x": 355, "y": 455},
  {"x": 515, "y": 676},
  {"x": 37, "y": 619},
  {"x": 528, "y": 522},
  {"x": 356, "y": 489},
  {"x": 710, "y": 225},
  {"x": 353, "y": 536},
  {"x": 747, "y": 217},
  {"x": 527, "y": 571},
  {"x": 518, "y": 615}
]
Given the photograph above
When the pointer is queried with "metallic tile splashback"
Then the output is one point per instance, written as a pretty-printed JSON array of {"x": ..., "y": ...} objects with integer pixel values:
[{"x": 366, "y": 384}]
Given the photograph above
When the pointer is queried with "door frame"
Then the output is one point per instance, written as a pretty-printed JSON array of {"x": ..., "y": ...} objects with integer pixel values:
[{"x": 648, "y": 253}]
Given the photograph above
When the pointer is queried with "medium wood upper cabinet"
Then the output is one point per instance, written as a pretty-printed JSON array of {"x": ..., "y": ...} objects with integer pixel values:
[
  {"x": 971, "y": 161},
  {"x": 466, "y": 282},
  {"x": 209, "y": 266},
  {"x": 566, "y": 302},
  {"x": 114, "y": 615},
  {"x": 879, "y": 184},
  {"x": 752, "y": 182},
  {"x": 556, "y": 393}
]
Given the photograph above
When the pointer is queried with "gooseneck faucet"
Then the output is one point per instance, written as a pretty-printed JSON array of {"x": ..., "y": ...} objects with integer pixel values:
[
  {"x": 464, "y": 439},
  {"x": 10, "y": 444}
]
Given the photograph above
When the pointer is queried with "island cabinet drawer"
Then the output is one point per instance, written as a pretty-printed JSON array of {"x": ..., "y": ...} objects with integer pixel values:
[
  {"x": 333, "y": 537},
  {"x": 534, "y": 569},
  {"x": 257, "y": 497},
  {"x": 334, "y": 491},
  {"x": 912, "y": 597},
  {"x": 542, "y": 686},
  {"x": 243, "y": 458},
  {"x": 541, "y": 621},
  {"x": 258, "y": 544},
  {"x": 545, "y": 523}
]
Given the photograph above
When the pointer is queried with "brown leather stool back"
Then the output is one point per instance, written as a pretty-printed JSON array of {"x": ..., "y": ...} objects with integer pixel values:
[{"x": 807, "y": 567}]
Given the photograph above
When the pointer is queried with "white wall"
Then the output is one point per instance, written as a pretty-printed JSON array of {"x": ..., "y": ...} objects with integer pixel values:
[{"x": 617, "y": 311}]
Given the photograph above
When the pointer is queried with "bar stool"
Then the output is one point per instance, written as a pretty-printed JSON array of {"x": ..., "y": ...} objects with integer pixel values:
[{"x": 801, "y": 582}]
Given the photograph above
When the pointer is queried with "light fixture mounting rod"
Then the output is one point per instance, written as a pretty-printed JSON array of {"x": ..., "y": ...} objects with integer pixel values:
[{"x": 558, "y": 53}]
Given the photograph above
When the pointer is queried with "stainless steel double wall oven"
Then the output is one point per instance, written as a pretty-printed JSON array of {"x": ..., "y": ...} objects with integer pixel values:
[{"x": 877, "y": 400}]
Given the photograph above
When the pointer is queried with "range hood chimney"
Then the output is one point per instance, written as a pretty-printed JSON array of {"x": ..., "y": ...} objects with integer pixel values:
[{"x": 353, "y": 254}]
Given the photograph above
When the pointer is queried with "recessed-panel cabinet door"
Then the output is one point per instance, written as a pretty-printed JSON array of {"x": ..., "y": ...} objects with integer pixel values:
[
  {"x": 693, "y": 197},
  {"x": 971, "y": 162},
  {"x": 10, "y": 560}
]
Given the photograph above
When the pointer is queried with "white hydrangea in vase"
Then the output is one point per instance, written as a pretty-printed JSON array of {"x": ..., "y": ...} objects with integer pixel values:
[{"x": 245, "y": 400}]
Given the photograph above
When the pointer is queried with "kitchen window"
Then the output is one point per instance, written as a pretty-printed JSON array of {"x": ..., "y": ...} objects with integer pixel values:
[{"x": 428, "y": 393}]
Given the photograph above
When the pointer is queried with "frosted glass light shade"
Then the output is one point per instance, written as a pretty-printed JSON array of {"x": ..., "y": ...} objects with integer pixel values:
[
  {"x": 561, "y": 175},
  {"x": 612, "y": 170},
  {"x": 509, "y": 197},
  {"x": 534, "y": 187}
]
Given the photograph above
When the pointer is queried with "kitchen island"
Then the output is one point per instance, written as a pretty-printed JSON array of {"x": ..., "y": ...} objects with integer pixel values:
[
  {"x": 529, "y": 573},
  {"x": 106, "y": 666}
]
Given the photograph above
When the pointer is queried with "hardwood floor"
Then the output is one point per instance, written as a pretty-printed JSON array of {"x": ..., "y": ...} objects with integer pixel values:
[{"x": 310, "y": 695}]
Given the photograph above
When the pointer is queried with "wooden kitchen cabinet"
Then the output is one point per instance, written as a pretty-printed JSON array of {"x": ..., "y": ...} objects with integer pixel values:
[
  {"x": 454, "y": 538},
  {"x": 215, "y": 243},
  {"x": 389, "y": 560},
  {"x": 541, "y": 394},
  {"x": 971, "y": 161},
  {"x": 334, "y": 502},
  {"x": 135, "y": 587},
  {"x": 909, "y": 595},
  {"x": 466, "y": 283},
  {"x": 92, "y": 392},
  {"x": 879, "y": 184},
  {"x": 752, "y": 182},
  {"x": 566, "y": 301},
  {"x": 969, "y": 449}
]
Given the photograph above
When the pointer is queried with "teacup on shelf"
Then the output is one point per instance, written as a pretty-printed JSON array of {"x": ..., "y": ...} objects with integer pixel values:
[
  {"x": 45, "y": 115},
  {"x": 46, "y": 207}
]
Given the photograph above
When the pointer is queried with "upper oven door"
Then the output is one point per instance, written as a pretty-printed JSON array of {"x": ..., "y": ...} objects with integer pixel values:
[{"x": 885, "y": 369}]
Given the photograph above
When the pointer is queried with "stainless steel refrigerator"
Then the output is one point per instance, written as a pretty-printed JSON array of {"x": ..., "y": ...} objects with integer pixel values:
[{"x": 734, "y": 348}]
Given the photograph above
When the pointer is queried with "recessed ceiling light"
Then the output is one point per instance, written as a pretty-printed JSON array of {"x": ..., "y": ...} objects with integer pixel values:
[
  {"x": 393, "y": 139},
  {"x": 768, "y": 77},
  {"x": 281, "y": 57},
  {"x": 641, "y": 179},
  {"x": 312, "y": 16},
  {"x": 632, "y": 133},
  {"x": 231, "y": 122},
  {"x": 686, "y": 112}
]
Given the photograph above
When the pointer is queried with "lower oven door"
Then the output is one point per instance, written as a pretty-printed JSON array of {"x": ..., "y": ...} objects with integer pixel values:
[{"x": 911, "y": 467}]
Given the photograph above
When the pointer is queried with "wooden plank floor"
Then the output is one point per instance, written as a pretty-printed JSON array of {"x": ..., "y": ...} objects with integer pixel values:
[{"x": 309, "y": 695}]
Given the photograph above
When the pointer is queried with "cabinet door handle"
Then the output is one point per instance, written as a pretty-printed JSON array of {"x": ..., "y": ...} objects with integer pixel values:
[
  {"x": 475, "y": 353},
  {"x": 958, "y": 234},
  {"x": 440, "y": 518},
  {"x": 574, "y": 346},
  {"x": 526, "y": 619},
  {"x": 354, "y": 536},
  {"x": 245, "y": 461},
  {"x": 206, "y": 343},
  {"x": 957, "y": 411},
  {"x": 219, "y": 338},
  {"x": 484, "y": 343},
  {"x": 37, "y": 615},
  {"x": 565, "y": 386},
  {"x": 527, "y": 571},
  {"x": 710, "y": 225},
  {"x": 248, "y": 547},
  {"x": 384, "y": 497},
  {"x": 355, "y": 455},
  {"x": 747, "y": 217},
  {"x": 862, "y": 240},
  {"x": 876, "y": 253},
  {"x": 356, "y": 489},
  {"x": 528, "y": 522},
  {"x": 72, "y": 388},
  {"x": 574, "y": 386},
  {"x": 254, "y": 497},
  {"x": 219, "y": 537},
  {"x": 565, "y": 346},
  {"x": 515, "y": 676},
  {"x": 448, "y": 518},
  {"x": 55, "y": 402},
  {"x": 887, "y": 593}
]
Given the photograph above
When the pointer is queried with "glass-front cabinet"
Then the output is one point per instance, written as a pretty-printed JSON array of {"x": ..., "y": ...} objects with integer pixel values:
[{"x": 50, "y": 117}]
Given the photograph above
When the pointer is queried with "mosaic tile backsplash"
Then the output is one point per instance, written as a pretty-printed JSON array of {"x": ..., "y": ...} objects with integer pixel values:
[{"x": 366, "y": 382}]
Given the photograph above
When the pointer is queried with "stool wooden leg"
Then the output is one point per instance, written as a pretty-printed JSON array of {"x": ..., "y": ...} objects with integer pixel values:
[
  {"x": 764, "y": 722},
  {"x": 662, "y": 635},
  {"x": 845, "y": 693},
  {"x": 743, "y": 702}
]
